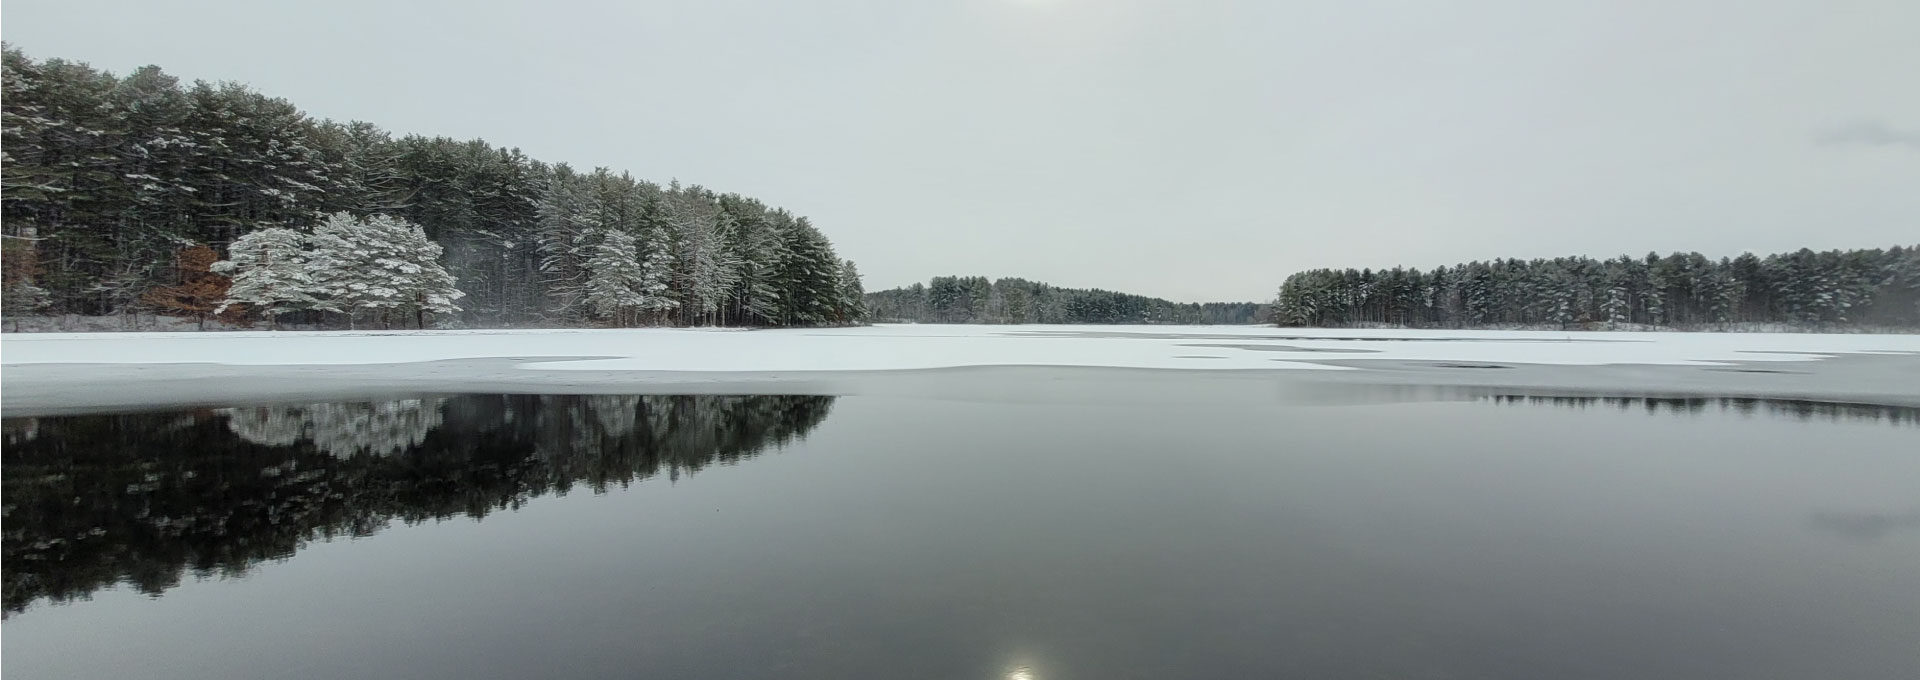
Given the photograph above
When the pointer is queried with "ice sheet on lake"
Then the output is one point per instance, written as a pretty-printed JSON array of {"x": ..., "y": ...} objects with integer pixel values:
[{"x": 898, "y": 347}]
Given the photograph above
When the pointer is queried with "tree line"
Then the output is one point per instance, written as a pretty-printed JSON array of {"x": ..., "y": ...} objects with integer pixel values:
[
  {"x": 1799, "y": 409},
  {"x": 99, "y": 500},
  {"x": 1837, "y": 288},
  {"x": 120, "y": 195},
  {"x": 974, "y": 299}
]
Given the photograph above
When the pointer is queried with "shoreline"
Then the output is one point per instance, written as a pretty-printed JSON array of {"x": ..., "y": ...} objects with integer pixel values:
[{"x": 46, "y": 389}]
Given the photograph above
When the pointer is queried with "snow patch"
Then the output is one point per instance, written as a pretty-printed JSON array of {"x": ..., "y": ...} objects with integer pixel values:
[{"x": 924, "y": 346}]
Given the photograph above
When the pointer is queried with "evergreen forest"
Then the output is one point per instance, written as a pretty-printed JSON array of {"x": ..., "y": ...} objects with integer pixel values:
[
  {"x": 128, "y": 194},
  {"x": 975, "y": 299},
  {"x": 1803, "y": 289}
]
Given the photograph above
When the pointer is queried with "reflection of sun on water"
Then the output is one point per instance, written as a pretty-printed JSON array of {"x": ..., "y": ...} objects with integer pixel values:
[{"x": 1021, "y": 673}]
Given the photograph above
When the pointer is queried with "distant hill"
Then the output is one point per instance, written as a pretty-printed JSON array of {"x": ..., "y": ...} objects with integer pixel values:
[{"x": 975, "y": 299}]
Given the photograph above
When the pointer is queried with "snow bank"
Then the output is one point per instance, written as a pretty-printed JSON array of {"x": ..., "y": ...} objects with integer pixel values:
[{"x": 894, "y": 347}]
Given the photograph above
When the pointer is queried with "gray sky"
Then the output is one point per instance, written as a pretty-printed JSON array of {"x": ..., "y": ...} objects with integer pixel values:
[{"x": 1192, "y": 149}]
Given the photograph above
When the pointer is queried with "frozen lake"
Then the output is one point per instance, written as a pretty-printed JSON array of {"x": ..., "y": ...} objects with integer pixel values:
[
  {"x": 896, "y": 347},
  {"x": 962, "y": 502},
  {"x": 47, "y": 373}
]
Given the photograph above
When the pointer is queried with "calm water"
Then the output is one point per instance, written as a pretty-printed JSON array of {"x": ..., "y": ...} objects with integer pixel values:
[{"x": 1388, "y": 536}]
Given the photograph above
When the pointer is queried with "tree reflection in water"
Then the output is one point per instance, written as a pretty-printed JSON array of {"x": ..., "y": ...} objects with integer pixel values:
[
  {"x": 143, "y": 499},
  {"x": 1799, "y": 409},
  {"x": 381, "y": 428}
]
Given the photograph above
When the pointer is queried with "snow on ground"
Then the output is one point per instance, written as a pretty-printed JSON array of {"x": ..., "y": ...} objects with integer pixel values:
[{"x": 894, "y": 347}]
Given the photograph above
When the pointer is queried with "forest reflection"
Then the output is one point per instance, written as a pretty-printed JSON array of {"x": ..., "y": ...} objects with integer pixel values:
[
  {"x": 1800, "y": 409},
  {"x": 144, "y": 499}
]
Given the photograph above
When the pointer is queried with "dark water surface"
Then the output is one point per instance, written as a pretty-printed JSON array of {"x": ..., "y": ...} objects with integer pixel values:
[{"x": 1393, "y": 536}]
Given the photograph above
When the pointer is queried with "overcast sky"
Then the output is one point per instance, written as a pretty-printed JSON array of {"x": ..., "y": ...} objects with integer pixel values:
[{"x": 1190, "y": 149}]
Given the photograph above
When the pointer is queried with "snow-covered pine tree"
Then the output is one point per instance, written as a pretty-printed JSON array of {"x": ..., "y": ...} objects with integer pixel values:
[
  {"x": 852, "y": 296},
  {"x": 363, "y": 168},
  {"x": 270, "y": 274},
  {"x": 704, "y": 272},
  {"x": 258, "y": 166},
  {"x": 809, "y": 275},
  {"x": 381, "y": 263},
  {"x": 345, "y": 275},
  {"x": 656, "y": 270},
  {"x": 1749, "y": 273},
  {"x": 1718, "y": 293},
  {"x": 567, "y": 222},
  {"x": 426, "y": 287},
  {"x": 615, "y": 279},
  {"x": 756, "y": 246}
]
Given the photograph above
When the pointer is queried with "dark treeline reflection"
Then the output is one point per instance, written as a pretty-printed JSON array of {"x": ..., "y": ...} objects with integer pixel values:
[
  {"x": 1796, "y": 408},
  {"x": 142, "y": 499}
]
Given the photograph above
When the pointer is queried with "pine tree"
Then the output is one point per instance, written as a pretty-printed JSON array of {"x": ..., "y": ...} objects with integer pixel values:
[
  {"x": 382, "y": 263},
  {"x": 852, "y": 301},
  {"x": 364, "y": 170},
  {"x": 347, "y": 270},
  {"x": 757, "y": 249},
  {"x": 566, "y": 224},
  {"x": 1618, "y": 307},
  {"x": 426, "y": 287},
  {"x": 656, "y": 269},
  {"x": 270, "y": 273},
  {"x": 619, "y": 285},
  {"x": 704, "y": 271}
]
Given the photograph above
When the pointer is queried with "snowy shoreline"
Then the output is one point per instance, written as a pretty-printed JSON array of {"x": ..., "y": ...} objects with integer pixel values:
[
  {"x": 47, "y": 373},
  {"x": 922, "y": 346}
]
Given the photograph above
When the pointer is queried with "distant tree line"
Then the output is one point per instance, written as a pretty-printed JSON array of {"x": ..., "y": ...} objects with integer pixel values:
[
  {"x": 974, "y": 299},
  {"x": 1800, "y": 409},
  {"x": 1834, "y": 288},
  {"x": 147, "y": 499},
  {"x": 117, "y": 189}
]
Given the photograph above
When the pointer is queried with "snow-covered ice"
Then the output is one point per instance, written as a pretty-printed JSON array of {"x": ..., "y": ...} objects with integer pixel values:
[{"x": 898, "y": 347}]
